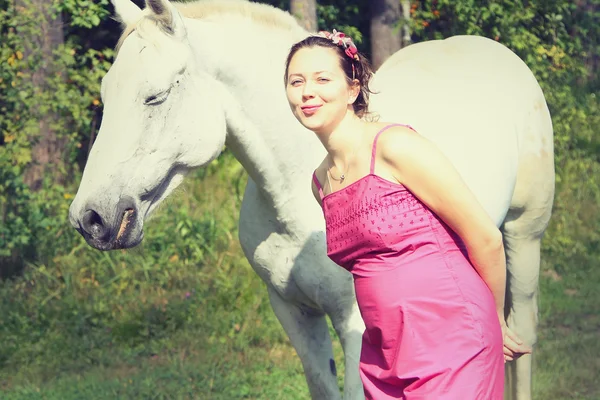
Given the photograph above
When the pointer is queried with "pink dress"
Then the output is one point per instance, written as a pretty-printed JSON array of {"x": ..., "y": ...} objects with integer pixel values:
[{"x": 431, "y": 326}]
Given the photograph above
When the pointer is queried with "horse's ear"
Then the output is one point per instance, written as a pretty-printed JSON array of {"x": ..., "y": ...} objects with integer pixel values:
[
  {"x": 126, "y": 11},
  {"x": 167, "y": 16}
]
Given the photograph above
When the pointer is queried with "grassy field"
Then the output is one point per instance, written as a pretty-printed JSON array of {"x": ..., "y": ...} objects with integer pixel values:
[
  {"x": 190, "y": 320},
  {"x": 189, "y": 367}
]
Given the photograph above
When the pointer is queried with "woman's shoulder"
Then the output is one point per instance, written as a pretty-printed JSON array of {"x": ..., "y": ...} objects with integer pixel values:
[
  {"x": 395, "y": 136},
  {"x": 401, "y": 144},
  {"x": 389, "y": 126}
]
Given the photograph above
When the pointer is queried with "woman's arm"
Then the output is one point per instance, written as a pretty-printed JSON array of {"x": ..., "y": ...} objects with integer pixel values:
[{"x": 419, "y": 165}]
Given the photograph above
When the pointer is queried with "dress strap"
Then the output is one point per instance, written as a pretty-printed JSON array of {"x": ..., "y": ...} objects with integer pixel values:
[
  {"x": 318, "y": 184},
  {"x": 375, "y": 142}
]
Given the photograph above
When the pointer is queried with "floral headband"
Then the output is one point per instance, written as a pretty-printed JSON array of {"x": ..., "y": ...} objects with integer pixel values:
[{"x": 340, "y": 39}]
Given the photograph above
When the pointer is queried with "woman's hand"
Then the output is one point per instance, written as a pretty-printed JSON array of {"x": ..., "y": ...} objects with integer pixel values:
[{"x": 513, "y": 346}]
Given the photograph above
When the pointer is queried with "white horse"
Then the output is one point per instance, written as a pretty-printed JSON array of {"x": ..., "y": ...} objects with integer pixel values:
[{"x": 190, "y": 78}]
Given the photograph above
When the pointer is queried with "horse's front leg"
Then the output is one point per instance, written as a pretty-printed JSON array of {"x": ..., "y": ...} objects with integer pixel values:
[
  {"x": 308, "y": 331},
  {"x": 349, "y": 326},
  {"x": 331, "y": 288}
]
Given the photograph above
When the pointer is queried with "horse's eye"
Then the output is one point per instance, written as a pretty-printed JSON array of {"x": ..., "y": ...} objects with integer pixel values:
[{"x": 157, "y": 98}]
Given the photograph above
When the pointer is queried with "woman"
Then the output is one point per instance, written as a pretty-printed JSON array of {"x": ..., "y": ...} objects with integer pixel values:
[{"x": 428, "y": 262}]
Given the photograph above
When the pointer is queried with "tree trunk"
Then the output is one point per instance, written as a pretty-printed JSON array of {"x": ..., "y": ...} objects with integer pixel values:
[
  {"x": 389, "y": 28},
  {"x": 405, "y": 23},
  {"x": 47, "y": 148},
  {"x": 305, "y": 12}
]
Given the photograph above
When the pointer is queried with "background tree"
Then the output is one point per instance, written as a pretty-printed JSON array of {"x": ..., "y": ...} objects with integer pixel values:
[
  {"x": 405, "y": 23},
  {"x": 48, "y": 95},
  {"x": 306, "y": 13},
  {"x": 386, "y": 38},
  {"x": 42, "y": 37}
]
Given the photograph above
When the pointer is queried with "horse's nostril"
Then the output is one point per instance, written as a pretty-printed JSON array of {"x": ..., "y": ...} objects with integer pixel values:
[{"x": 92, "y": 224}]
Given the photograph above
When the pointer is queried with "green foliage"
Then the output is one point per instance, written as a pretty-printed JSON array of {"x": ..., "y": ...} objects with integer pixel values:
[
  {"x": 70, "y": 94},
  {"x": 346, "y": 17},
  {"x": 86, "y": 13}
]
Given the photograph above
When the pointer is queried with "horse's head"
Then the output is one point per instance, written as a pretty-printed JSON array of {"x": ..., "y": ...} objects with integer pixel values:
[{"x": 162, "y": 117}]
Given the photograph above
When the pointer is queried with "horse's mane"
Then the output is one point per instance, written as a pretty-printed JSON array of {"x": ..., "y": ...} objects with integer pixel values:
[{"x": 263, "y": 14}]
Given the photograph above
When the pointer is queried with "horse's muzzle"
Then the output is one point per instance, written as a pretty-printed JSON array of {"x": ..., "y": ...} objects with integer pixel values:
[{"x": 110, "y": 232}]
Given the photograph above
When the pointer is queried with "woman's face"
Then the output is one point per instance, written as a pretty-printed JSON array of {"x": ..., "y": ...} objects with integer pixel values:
[{"x": 317, "y": 89}]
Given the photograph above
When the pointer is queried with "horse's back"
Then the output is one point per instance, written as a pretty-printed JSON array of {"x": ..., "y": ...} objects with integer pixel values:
[{"x": 471, "y": 96}]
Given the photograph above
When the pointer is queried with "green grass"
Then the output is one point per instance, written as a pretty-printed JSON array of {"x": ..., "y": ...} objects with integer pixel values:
[
  {"x": 192, "y": 367},
  {"x": 567, "y": 361},
  {"x": 185, "y": 317},
  {"x": 215, "y": 373}
]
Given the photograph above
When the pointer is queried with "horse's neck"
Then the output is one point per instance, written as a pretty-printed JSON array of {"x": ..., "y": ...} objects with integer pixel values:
[
  {"x": 255, "y": 152},
  {"x": 275, "y": 150}
]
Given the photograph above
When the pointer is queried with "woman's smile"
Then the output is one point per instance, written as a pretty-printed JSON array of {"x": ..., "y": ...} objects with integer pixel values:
[{"x": 309, "y": 110}]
